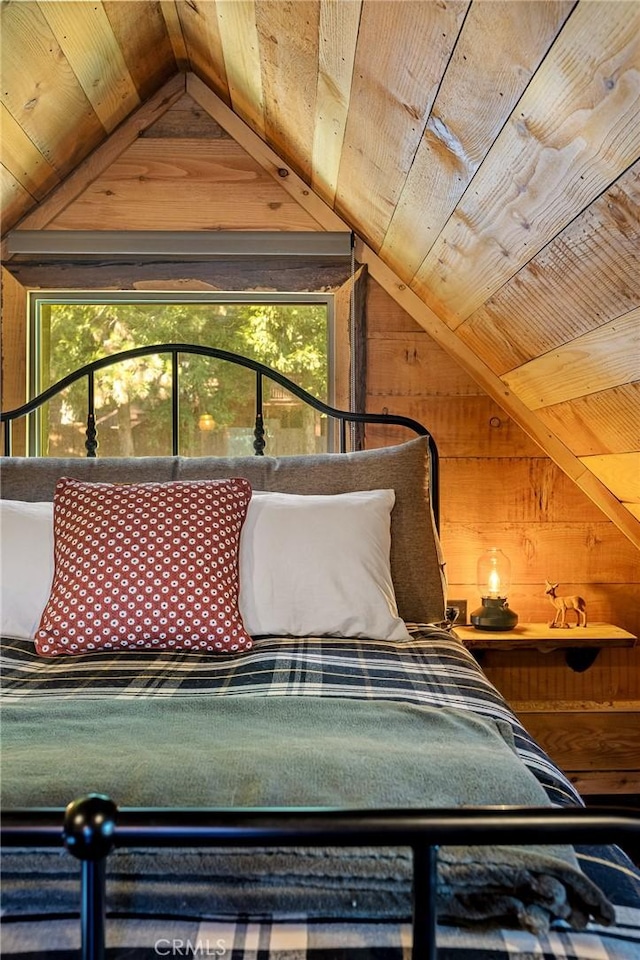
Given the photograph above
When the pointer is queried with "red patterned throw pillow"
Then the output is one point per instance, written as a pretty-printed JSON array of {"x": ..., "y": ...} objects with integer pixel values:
[{"x": 146, "y": 565}]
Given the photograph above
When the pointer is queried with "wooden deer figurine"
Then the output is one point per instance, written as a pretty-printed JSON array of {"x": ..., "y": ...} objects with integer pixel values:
[{"x": 562, "y": 604}]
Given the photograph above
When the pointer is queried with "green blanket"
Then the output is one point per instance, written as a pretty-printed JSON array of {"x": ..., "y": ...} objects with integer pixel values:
[{"x": 291, "y": 751}]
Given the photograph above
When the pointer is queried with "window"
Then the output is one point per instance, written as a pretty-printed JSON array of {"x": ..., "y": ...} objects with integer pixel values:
[{"x": 292, "y": 333}]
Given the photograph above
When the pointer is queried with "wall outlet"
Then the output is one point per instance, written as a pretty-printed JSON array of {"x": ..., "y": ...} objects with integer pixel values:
[{"x": 461, "y": 606}]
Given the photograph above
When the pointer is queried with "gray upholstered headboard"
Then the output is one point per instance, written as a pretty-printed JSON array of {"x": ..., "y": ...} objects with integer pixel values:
[{"x": 416, "y": 564}]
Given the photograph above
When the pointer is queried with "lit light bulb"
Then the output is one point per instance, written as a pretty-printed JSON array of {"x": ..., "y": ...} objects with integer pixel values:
[{"x": 494, "y": 583}]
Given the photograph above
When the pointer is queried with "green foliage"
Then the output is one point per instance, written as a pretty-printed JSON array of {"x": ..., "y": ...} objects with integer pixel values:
[{"x": 290, "y": 337}]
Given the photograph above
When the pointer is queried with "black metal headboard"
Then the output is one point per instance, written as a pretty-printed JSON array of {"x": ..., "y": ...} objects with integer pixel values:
[{"x": 342, "y": 417}]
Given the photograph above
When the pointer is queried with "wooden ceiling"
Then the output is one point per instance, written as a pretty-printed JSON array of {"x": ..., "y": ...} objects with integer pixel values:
[{"x": 486, "y": 153}]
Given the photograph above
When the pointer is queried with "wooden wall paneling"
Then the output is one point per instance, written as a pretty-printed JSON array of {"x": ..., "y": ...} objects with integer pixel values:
[
  {"x": 603, "y": 422},
  {"x": 552, "y": 159},
  {"x": 87, "y": 40},
  {"x": 412, "y": 364},
  {"x": 341, "y": 340},
  {"x": 185, "y": 185},
  {"x": 537, "y": 491},
  {"x": 288, "y": 38},
  {"x": 41, "y": 90},
  {"x": 185, "y": 119},
  {"x": 23, "y": 159},
  {"x": 559, "y": 551},
  {"x": 464, "y": 426},
  {"x": 606, "y": 783},
  {"x": 91, "y": 168},
  {"x": 171, "y": 17},
  {"x": 386, "y": 317},
  {"x": 338, "y": 29},
  {"x": 394, "y": 86},
  {"x": 14, "y": 352},
  {"x": 589, "y": 741},
  {"x": 16, "y": 200},
  {"x": 603, "y": 358},
  {"x": 240, "y": 47},
  {"x": 482, "y": 84},
  {"x": 589, "y": 274},
  {"x": 141, "y": 34},
  {"x": 538, "y": 682},
  {"x": 550, "y": 444},
  {"x": 203, "y": 43},
  {"x": 265, "y": 156},
  {"x": 620, "y": 472}
]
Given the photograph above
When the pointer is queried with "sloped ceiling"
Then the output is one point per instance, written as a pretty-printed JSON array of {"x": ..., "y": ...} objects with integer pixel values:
[{"x": 486, "y": 153}]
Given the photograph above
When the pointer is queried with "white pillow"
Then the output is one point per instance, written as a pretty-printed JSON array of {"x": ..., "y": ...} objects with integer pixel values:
[
  {"x": 26, "y": 565},
  {"x": 319, "y": 566},
  {"x": 309, "y": 566}
]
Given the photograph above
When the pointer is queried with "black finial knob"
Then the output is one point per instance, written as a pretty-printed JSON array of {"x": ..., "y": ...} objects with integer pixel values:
[{"x": 89, "y": 823}]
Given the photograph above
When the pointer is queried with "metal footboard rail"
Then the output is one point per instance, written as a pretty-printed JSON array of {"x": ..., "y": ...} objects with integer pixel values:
[
  {"x": 262, "y": 372},
  {"x": 93, "y": 825}
]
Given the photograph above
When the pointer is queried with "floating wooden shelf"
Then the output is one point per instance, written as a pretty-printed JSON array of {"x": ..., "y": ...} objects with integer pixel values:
[{"x": 581, "y": 645}]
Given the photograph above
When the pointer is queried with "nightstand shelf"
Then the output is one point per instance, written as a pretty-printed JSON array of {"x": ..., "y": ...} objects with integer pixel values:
[{"x": 581, "y": 645}]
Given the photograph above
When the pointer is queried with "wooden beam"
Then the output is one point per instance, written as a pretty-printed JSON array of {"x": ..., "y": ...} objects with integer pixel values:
[
  {"x": 272, "y": 273},
  {"x": 101, "y": 158}
]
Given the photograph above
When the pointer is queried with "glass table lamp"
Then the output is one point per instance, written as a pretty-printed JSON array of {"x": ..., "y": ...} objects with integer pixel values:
[{"x": 494, "y": 580}]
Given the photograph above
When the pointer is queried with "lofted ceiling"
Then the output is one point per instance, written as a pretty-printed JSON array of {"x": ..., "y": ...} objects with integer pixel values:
[{"x": 486, "y": 154}]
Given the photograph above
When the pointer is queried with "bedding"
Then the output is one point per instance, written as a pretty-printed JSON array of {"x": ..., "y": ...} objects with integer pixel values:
[
  {"x": 308, "y": 565},
  {"x": 296, "y": 681},
  {"x": 144, "y": 565},
  {"x": 347, "y": 721},
  {"x": 319, "y": 566},
  {"x": 416, "y": 559},
  {"x": 26, "y": 564}
]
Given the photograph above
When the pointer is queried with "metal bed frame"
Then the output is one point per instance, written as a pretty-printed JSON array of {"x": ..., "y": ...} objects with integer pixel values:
[
  {"x": 92, "y": 826},
  {"x": 261, "y": 370}
]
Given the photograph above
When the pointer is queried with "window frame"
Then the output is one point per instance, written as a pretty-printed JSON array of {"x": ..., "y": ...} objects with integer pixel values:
[{"x": 35, "y": 438}]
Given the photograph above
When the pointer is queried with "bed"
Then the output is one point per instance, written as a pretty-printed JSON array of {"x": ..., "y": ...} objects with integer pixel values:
[{"x": 289, "y": 774}]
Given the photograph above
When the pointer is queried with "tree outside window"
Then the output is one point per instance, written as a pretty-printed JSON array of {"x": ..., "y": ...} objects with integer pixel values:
[{"x": 217, "y": 405}]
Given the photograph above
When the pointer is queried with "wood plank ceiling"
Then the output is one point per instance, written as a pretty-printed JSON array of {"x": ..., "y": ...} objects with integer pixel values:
[{"x": 486, "y": 153}]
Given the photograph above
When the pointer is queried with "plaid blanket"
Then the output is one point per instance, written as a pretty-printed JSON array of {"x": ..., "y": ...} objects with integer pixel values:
[
  {"x": 296, "y": 939},
  {"x": 432, "y": 668}
]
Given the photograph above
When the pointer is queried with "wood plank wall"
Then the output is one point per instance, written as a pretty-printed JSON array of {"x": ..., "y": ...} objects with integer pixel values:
[{"x": 497, "y": 486}]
